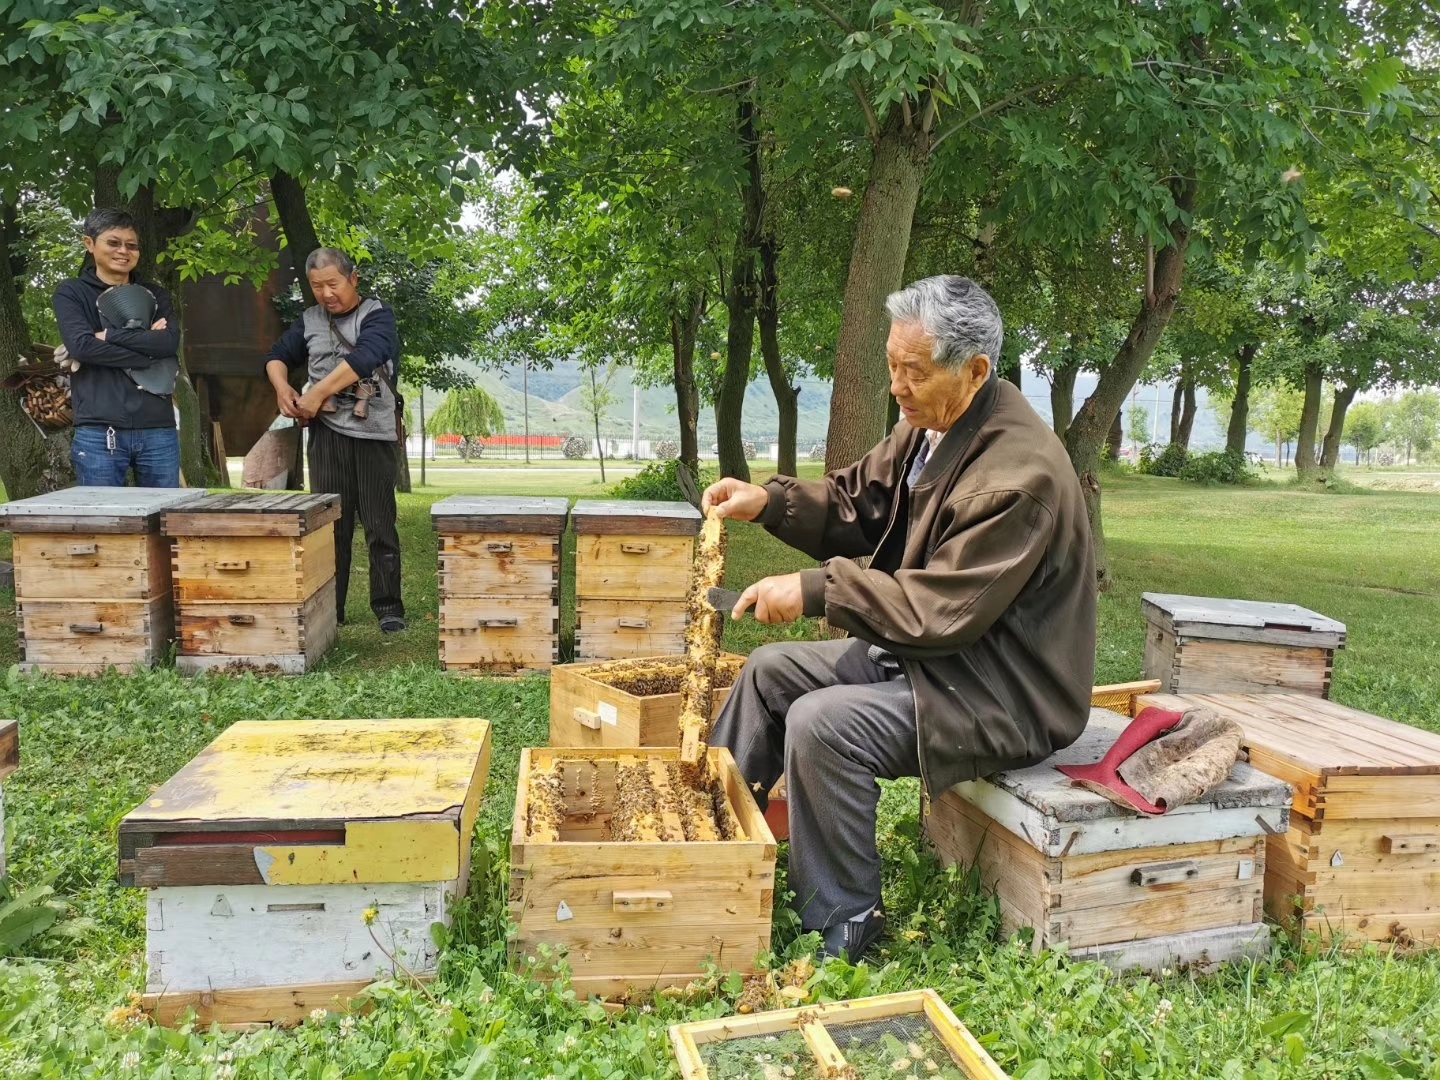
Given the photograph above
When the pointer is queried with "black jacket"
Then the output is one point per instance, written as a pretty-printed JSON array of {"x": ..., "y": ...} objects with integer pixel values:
[{"x": 101, "y": 392}]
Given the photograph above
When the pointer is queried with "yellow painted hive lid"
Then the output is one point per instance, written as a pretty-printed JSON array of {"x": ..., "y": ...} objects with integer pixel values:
[{"x": 310, "y": 802}]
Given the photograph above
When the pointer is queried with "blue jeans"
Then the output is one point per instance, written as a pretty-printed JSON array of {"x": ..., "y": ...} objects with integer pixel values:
[{"x": 103, "y": 456}]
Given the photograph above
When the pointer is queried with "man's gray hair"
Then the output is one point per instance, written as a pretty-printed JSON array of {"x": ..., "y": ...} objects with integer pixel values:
[
  {"x": 320, "y": 258},
  {"x": 958, "y": 314}
]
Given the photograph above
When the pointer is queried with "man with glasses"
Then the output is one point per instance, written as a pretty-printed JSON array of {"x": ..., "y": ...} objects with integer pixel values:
[{"x": 121, "y": 388}]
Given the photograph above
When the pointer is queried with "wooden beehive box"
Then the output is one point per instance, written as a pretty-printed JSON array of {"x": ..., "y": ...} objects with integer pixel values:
[
  {"x": 1129, "y": 890},
  {"x": 499, "y": 582},
  {"x": 1361, "y": 857},
  {"x": 1204, "y": 645},
  {"x": 627, "y": 702},
  {"x": 263, "y": 854},
  {"x": 92, "y": 578},
  {"x": 637, "y": 915},
  {"x": 255, "y": 581},
  {"x": 863, "y": 1039},
  {"x": 9, "y": 762},
  {"x": 633, "y": 562}
]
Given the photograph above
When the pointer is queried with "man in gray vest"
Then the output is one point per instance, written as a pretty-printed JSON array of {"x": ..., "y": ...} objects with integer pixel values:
[{"x": 351, "y": 352}]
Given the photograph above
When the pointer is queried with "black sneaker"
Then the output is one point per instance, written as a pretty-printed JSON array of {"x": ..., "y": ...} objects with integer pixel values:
[
  {"x": 851, "y": 938},
  {"x": 391, "y": 624}
]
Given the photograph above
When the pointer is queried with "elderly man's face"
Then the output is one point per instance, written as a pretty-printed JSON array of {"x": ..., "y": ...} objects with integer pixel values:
[
  {"x": 930, "y": 395},
  {"x": 337, "y": 293}
]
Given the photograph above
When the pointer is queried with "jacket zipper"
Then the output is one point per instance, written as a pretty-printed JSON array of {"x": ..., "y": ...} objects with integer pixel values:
[{"x": 919, "y": 749}]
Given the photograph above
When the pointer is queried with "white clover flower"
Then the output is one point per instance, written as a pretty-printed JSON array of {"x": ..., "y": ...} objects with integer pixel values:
[
  {"x": 131, "y": 1060},
  {"x": 347, "y": 1026},
  {"x": 224, "y": 1072},
  {"x": 318, "y": 1014}
]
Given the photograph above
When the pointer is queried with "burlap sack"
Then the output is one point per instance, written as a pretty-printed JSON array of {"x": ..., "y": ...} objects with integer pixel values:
[
  {"x": 1186, "y": 762},
  {"x": 267, "y": 465}
]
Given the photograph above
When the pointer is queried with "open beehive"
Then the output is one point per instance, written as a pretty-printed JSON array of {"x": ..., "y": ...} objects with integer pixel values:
[
  {"x": 642, "y": 867},
  {"x": 909, "y": 1036},
  {"x": 626, "y": 703}
]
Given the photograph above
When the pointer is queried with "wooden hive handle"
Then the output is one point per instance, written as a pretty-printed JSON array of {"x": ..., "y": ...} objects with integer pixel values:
[
  {"x": 500, "y": 547},
  {"x": 1415, "y": 844},
  {"x": 1165, "y": 873},
  {"x": 635, "y": 549},
  {"x": 587, "y": 718},
  {"x": 500, "y": 624},
  {"x": 84, "y": 549},
  {"x": 631, "y": 900},
  {"x": 232, "y": 564},
  {"x": 629, "y": 623},
  {"x": 242, "y": 620},
  {"x": 87, "y": 628}
]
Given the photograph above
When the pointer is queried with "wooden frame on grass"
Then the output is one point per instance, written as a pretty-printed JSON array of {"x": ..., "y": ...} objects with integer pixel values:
[{"x": 965, "y": 1051}]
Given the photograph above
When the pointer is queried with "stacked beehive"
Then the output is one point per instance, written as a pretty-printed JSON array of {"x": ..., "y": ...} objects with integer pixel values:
[
  {"x": 92, "y": 578},
  {"x": 1131, "y": 891},
  {"x": 255, "y": 581},
  {"x": 633, "y": 562},
  {"x": 1361, "y": 857},
  {"x": 293, "y": 862},
  {"x": 1206, "y": 645},
  {"x": 499, "y": 582}
]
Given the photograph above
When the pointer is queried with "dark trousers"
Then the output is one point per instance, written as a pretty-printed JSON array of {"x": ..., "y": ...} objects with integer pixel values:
[
  {"x": 834, "y": 721},
  {"x": 362, "y": 473}
]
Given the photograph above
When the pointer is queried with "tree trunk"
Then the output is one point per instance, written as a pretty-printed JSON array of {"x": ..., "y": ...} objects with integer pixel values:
[
  {"x": 1240, "y": 407},
  {"x": 877, "y": 263},
  {"x": 787, "y": 396},
  {"x": 299, "y": 227},
  {"x": 1176, "y": 400},
  {"x": 31, "y": 463},
  {"x": 1330, "y": 449},
  {"x": 741, "y": 298},
  {"x": 684, "y": 328},
  {"x": 1086, "y": 437},
  {"x": 1114, "y": 439},
  {"x": 1305, "y": 460},
  {"x": 1062, "y": 396},
  {"x": 1187, "y": 414},
  {"x": 599, "y": 443}
]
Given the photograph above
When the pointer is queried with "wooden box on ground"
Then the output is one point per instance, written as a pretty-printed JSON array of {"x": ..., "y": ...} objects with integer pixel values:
[
  {"x": 9, "y": 762},
  {"x": 499, "y": 582},
  {"x": 1202, "y": 645},
  {"x": 263, "y": 855},
  {"x": 627, "y": 702},
  {"x": 1129, "y": 890},
  {"x": 868, "y": 1035},
  {"x": 1362, "y": 854},
  {"x": 255, "y": 581},
  {"x": 92, "y": 578},
  {"x": 637, "y": 916},
  {"x": 633, "y": 561}
]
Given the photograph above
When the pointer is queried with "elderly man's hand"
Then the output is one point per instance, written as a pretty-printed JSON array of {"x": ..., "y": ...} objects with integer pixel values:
[
  {"x": 775, "y": 599},
  {"x": 308, "y": 405},
  {"x": 732, "y": 498}
]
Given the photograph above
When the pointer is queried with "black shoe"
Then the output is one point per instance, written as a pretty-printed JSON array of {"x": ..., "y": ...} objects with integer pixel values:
[
  {"x": 391, "y": 624},
  {"x": 853, "y": 937}
]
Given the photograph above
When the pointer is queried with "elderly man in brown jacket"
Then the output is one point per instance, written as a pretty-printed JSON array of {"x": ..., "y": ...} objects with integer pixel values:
[{"x": 972, "y": 643}]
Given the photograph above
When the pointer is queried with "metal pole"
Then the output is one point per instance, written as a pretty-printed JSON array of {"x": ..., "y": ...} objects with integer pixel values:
[
  {"x": 525, "y": 382},
  {"x": 1155, "y": 420},
  {"x": 635, "y": 422},
  {"x": 422, "y": 436}
]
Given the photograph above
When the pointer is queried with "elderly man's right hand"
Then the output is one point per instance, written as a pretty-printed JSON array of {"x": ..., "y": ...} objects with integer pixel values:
[
  {"x": 732, "y": 498},
  {"x": 288, "y": 399}
]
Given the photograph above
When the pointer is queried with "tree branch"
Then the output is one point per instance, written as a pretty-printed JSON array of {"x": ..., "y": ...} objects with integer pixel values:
[
  {"x": 994, "y": 107},
  {"x": 834, "y": 16},
  {"x": 872, "y": 122}
]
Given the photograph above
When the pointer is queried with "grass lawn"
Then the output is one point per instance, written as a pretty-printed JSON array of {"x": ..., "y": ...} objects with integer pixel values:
[{"x": 93, "y": 749}]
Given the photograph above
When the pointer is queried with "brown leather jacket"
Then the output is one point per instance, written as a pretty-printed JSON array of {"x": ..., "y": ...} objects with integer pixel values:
[{"x": 982, "y": 581}]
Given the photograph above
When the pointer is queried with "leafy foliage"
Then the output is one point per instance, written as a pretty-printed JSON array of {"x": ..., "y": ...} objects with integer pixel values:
[
  {"x": 1218, "y": 467},
  {"x": 1168, "y": 460},
  {"x": 470, "y": 413}
]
